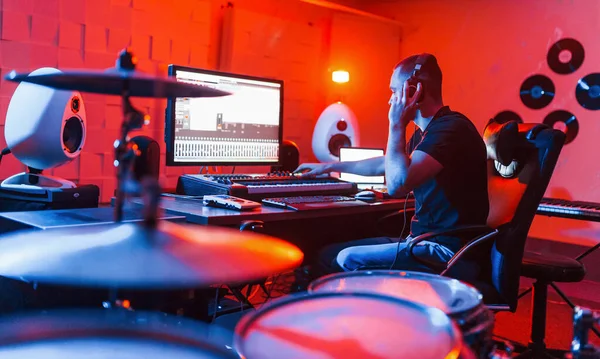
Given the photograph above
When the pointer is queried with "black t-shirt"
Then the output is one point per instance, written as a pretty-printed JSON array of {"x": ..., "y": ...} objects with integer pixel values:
[{"x": 457, "y": 195}]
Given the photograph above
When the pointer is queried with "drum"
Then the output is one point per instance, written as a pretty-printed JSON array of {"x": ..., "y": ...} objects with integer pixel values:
[
  {"x": 460, "y": 301},
  {"x": 118, "y": 334},
  {"x": 347, "y": 326}
]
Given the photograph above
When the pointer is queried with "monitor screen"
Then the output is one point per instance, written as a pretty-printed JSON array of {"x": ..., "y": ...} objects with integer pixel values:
[
  {"x": 244, "y": 128},
  {"x": 356, "y": 154}
]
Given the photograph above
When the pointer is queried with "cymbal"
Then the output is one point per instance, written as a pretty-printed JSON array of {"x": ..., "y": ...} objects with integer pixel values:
[
  {"x": 112, "y": 81},
  {"x": 125, "y": 255}
]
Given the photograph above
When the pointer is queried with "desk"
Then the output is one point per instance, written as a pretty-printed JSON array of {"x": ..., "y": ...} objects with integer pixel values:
[
  {"x": 309, "y": 229},
  {"x": 196, "y": 212}
]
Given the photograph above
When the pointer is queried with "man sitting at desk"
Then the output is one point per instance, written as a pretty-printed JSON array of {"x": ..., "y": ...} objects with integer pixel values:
[{"x": 444, "y": 165}]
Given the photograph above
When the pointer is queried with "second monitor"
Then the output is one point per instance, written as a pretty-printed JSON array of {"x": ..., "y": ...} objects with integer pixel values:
[
  {"x": 348, "y": 154},
  {"x": 244, "y": 128}
]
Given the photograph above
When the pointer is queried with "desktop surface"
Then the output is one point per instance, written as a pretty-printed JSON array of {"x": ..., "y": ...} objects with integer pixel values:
[
  {"x": 63, "y": 218},
  {"x": 196, "y": 212}
]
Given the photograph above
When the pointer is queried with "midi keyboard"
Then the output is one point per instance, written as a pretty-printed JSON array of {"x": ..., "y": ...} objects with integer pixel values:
[{"x": 260, "y": 186}]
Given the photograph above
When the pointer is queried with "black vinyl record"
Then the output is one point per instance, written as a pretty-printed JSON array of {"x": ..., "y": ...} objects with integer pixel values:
[
  {"x": 565, "y": 119},
  {"x": 537, "y": 91},
  {"x": 573, "y": 52},
  {"x": 588, "y": 91},
  {"x": 507, "y": 116}
]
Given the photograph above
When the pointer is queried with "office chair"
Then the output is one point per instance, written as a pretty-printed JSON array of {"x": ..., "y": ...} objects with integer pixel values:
[{"x": 521, "y": 160}]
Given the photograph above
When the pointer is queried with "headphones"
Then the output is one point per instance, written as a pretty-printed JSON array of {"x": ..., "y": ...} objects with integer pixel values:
[{"x": 413, "y": 80}]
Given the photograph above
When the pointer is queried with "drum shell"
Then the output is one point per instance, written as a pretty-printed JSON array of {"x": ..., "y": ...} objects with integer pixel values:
[
  {"x": 477, "y": 327},
  {"x": 475, "y": 320}
]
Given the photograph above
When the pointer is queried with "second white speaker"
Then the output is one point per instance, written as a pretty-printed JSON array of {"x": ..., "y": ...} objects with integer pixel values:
[{"x": 337, "y": 127}]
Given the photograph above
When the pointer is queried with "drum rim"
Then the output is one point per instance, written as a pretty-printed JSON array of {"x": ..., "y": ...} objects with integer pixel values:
[
  {"x": 397, "y": 273},
  {"x": 74, "y": 326},
  {"x": 394, "y": 273},
  {"x": 241, "y": 329}
]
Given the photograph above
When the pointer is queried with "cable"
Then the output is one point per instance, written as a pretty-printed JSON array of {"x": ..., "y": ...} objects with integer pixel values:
[
  {"x": 4, "y": 152},
  {"x": 401, "y": 233},
  {"x": 405, "y": 201}
]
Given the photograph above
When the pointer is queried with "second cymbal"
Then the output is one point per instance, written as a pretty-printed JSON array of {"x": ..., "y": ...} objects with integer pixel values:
[{"x": 114, "y": 81}]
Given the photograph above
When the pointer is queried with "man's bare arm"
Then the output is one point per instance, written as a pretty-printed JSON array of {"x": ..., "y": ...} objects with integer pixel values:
[
  {"x": 370, "y": 167},
  {"x": 404, "y": 173}
]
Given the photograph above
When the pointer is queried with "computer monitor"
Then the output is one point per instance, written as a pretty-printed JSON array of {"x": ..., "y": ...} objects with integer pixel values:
[
  {"x": 244, "y": 128},
  {"x": 357, "y": 154}
]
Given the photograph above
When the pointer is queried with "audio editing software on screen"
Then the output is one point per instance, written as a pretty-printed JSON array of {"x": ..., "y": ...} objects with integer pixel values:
[{"x": 242, "y": 127}]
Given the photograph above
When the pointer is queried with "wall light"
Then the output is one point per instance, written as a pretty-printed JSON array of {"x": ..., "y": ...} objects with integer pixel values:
[{"x": 340, "y": 76}]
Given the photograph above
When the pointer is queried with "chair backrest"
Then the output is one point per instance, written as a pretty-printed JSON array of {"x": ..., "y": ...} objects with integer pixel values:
[{"x": 521, "y": 160}]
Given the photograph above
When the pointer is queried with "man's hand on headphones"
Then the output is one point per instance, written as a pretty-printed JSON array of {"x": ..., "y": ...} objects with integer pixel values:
[{"x": 403, "y": 110}]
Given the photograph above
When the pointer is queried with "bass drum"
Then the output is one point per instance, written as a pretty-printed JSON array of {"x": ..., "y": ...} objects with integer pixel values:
[
  {"x": 461, "y": 302},
  {"x": 115, "y": 334},
  {"x": 347, "y": 326}
]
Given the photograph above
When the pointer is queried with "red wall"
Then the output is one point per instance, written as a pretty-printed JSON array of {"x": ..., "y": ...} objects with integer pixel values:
[
  {"x": 288, "y": 39},
  {"x": 487, "y": 49}
]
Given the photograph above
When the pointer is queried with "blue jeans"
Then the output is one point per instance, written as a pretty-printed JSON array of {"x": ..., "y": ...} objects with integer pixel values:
[{"x": 380, "y": 253}]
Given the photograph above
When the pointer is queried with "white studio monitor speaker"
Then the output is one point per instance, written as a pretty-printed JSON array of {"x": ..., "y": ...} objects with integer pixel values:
[
  {"x": 337, "y": 127},
  {"x": 45, "y": 128}
]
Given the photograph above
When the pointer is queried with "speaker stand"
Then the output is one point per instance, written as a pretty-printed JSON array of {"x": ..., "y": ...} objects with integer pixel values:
[{"x": 32, "y": 182}]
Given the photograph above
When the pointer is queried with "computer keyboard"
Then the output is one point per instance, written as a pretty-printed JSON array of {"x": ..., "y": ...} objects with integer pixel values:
[{"x": 306, "y": 202}]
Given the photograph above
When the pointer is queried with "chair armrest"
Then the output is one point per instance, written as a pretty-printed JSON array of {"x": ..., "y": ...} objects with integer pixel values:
[
  {"x": 498, "y": 308},
  {"x": 457, "y": 230},
  {"x": 469, "y": 246},
  {"x": 485, "y": 233}
]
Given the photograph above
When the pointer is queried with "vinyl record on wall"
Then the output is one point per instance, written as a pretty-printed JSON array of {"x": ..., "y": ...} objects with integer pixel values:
[
  {"x": 537, "y": 91},
  {"x": 565, "y": 56},
  {"x": 588, "y": 91},
  {"x": 564, "y": 121},
  {"x": 507, "y": 116}
]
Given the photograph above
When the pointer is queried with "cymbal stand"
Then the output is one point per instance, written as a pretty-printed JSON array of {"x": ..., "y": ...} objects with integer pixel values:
[
  {"x": 125, "y": 154},
  {"x": 126, "y": 151}
]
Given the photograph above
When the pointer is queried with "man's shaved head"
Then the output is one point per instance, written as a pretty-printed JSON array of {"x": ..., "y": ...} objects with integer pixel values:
[{"x": 430, "y": 74}]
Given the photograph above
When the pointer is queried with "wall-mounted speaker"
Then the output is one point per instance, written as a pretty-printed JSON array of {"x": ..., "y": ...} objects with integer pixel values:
[{"x": 337, "y": 127}]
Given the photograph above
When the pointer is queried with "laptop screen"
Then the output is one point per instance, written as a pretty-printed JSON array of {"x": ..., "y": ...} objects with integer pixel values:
[{"x": 356, "y": 154}]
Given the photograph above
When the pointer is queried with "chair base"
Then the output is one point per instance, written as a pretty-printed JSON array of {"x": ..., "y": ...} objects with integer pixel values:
[
  {"x": 537, "y": 347},
  {"x": 537, "y": 353},
  {"x": 532, "y": 350}
]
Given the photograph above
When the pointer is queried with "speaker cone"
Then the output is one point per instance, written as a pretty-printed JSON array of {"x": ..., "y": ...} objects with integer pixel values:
[
  {"x": 338, "y": 141},
  {"x": 72, "y": 134}
]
